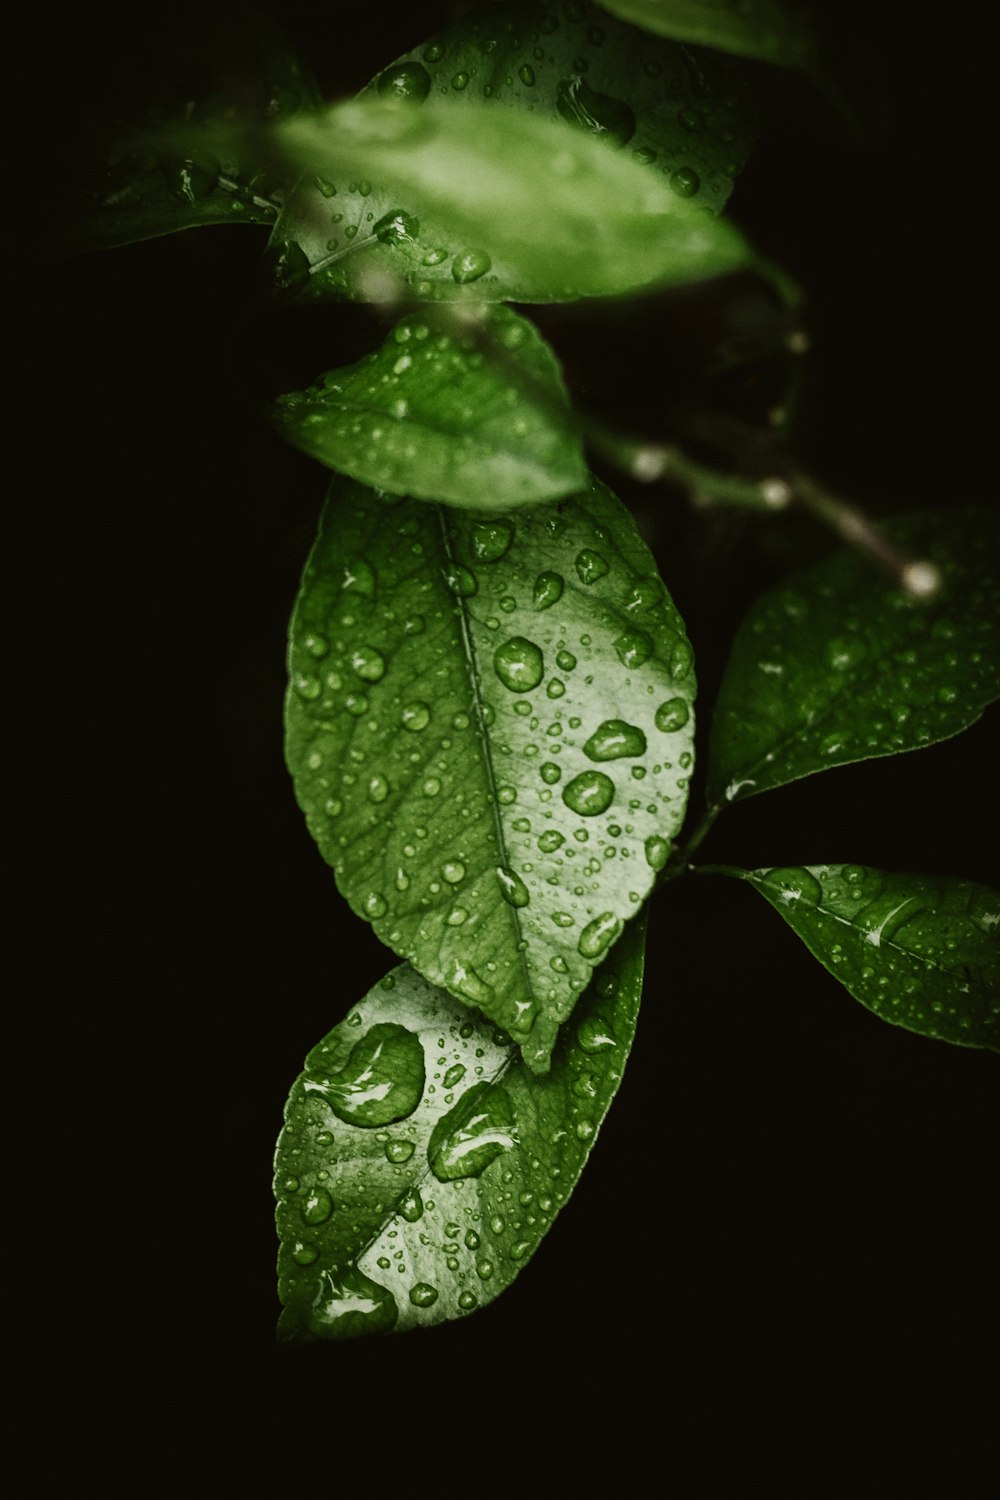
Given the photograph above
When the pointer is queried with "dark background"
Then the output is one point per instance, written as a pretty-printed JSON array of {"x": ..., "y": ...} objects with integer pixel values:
[{"x": 788, "y": 1221}]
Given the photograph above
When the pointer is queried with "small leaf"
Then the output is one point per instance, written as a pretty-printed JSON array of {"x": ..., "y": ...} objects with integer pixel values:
[
  {"x": 496, "y": 220},
  {"x": 477, "y": 415},
  {"x": 774, "y": 31},
  {"x": 435, "y": 1213},
  {"x": 835, "y": 666},
  {"x": 921, "y": 951},
  {"x": 489, "y": 725},
  {"x": 133, "y": 184}
]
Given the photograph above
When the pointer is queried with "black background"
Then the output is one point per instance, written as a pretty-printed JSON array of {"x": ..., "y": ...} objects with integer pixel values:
[{"x": 787, "y": 1225}]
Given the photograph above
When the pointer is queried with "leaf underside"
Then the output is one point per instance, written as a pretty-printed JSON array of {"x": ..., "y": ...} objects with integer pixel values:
[
  {"x": 836, "y": 666},
  {"x": 421, "y": 1162},
  {"x": 774, "y": 31},
  {"x": 684, "y": 117},
  {"x": 490, "y": 729},
  {"x": 920, "y": 951},
  {"x": 473, "y": 415}
]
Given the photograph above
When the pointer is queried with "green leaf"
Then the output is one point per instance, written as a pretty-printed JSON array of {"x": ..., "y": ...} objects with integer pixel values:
[
  {"x": 132, "y": 183},
  {"x": 489, "y": 725},
  {"x": 836, "y": 666},
  {"x": 508, "y": 208},
  {"x": 421, "y": 1163},
  {"x": 475, "y": 414},
  {"x": 774, "y": 31},
  {"x": 919, "y": 950}
]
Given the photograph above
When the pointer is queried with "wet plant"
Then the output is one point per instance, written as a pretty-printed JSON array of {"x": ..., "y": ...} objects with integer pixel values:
[{"x": 490, "y": 719}]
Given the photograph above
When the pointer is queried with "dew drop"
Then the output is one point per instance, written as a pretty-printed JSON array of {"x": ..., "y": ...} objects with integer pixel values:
[
  {"x": 453, "y": 871},
  {"x": 685, "y": 182},
  {"x": 550, "y": 772},
  {"x": 396, "y": 227},
  {"x": 547, "y": 590},
  {"x": 589, "y": 793},
  {"x": 526, "y": 73},
  {"x": 416, "y": 716},
  {"x": 411, "y": 1207},
  {"x": 598, "y": 935},
  {"x": 512, "y": 887},
  {"x": 491, "y": 539},
  {"x": 797, "y": 884},
  {"x": 672, "y": 715},
  {"x": 349, "y": 1305},
  {"x": 317, "y": 1207},
  {"x": 470, "y": 265},
  {"x": 304, "y": 1254},
  {"x": 594, "y": 1035},
  {"x": 378, "y": 788},
  {"x": 381, "y": 1081},
  {"x": 657, "y": 852},
  {"x": 596, "y": 113},
  {"x": 368, "y": 663},
  {"x": 408, "y": 81},
  {"x": 614, "y": 739},
  {"x": 422, "y": 1294},
  {"x": 590, "y": 565},
  {"x": 550, "y": 841},
  {"x": 474, "y": 1133},
  {"x": 399, "y": 1151},
  {"x": 519, "y": 664},
  {"x": 461, "y": 581}
]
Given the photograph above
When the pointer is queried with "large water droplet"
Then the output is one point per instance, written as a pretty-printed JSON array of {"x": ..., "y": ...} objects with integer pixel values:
[
  {"x": 672, "y": 715},
  {"x": 473, "y": 1134},
  {"x": 657, "y": 852},
  {"x": 512, "y": 887},
  {"x": 405, "y": 81},
  {"x": 633, "y": 648},
  {"x": 396, "y": 227},
  {"x": 381, "y": 1081},
  {"x": 470, "y": 265},
  {"x": 595, "y": 1035},
  {"x": 491, "y": 539},
  {"x": 685, "y": 182},
  {"x": 548, "y": 590},
  {"x": 317, "y": 1207},
  {"x": 416, "y": 716},
  {"x": 422, "y": 1294},
  {"x": 368, "y": 663},
  {"x": 598, "y": 935},
  {"x": 797, "y": 884},
  {"x": 598, "y": 113},
  {"x": 411, "y": 1206},
  {"x": 519, "y": 664},
  {"x": 350, "y": 1304},
  {"x": 614, "y": 739},
  {"x": 358, "y": 576},
  {"x": 589, "y": 793},
  {"x": 590, "y": 565},
  {"x": 461, "y": 581},
  {"x": 399, "y": 1151}
]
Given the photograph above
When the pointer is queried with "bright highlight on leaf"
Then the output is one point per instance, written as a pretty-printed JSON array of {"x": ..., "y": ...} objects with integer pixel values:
[
  {"x": 477, "y": 416},
  {"x": 430, "y": 1210},
  {"x": 540, "y": 210},
  {"x": 490, "y": 728},
  {"x": 682, "y": 122},
  {"x": 920, "y": 951},
  {"x": 836, "y": 666},
  {"x": 773, "y": 31}
]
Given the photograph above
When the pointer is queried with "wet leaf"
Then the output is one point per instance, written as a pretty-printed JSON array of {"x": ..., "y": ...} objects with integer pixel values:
[
  {"x": 920, "y": 951},
  {"x": 490, "y": 729},
  {"x": 835, "y": 665},
  {"x": 434, "y": 1215},
  {"x": 179, "y": 164},
  {"x": 497, "y": 220},
  {"x": 774, "y": 31},
  {"x": 474, "y": 413}
]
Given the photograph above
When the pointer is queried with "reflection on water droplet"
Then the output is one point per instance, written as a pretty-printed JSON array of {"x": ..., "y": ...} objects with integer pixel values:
[
  {"x": 598, "y": 935},
  {"x": 358, "y": 576},
  {"x": 461, "y": 581},
  {"x": 453, "y": 871},
  {"x": 416, "y": 716},
  {"x": 672, "y": 715},
  {"x": 350, "y": 1304},
  {"x": 550, "y": 772},
  {"x": 512, "y": 887},
  {"x": 378, "y": 788},
  {"x": 597, "y": 113},
  {"x": 467, "y": 1301},
  {"x": 478, "y": 1130},
  {"x": 303, "y": 1253},
  {"x": 550, "y": 841},
  {"x": 491, "y": 539},
  {"x": 685, "y": 182},
  {"x": 396, "y": 227},
  {"x": 381, "y": 1081},
  {"x": 317, "y": 1207},
  {"x": 519, "y": 664},
  {"x": 595, "y": 1035},
  {"x": 614, "y": 739},
  {"x": 411, "y": 1207},
  {"x": 375, "y": 904},
  {"x": 548, "y": 589},
  {"x": 589, "y": 793},
  {"x": 422, "y": 1294},
  {"x": 454, "y": 1075},
  {"x": 408, "y": 81},
  {"x": 399, "y": 1151},
  {"x": 657, "y": 852},
  {"x": 590, "y": 565},
  {"x": 796, "y": 884},
  {"x": 470, "y": 265}
]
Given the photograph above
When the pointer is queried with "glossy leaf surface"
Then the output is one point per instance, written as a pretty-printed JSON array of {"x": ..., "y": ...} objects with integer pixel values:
[
  {"x": 490, "y": 728},
  {"x": 921, "y": 951},
  {"x": 836, "y": 666},
  {"x": 774, "y": 31},
  {"x": 408, "y": 1221},
  {"x": 477, "y": 416},
  {"x": 136, "y": 185},
  {"x": 512, "y": 225}
]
